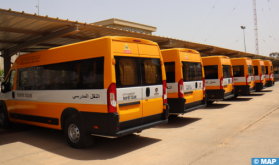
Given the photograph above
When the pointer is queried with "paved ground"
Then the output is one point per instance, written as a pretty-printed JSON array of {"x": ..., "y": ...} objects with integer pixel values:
[{"x": 227, "y": 132}]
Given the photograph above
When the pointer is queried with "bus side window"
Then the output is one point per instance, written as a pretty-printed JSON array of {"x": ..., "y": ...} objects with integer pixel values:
[{"x": 82, "y": 74}]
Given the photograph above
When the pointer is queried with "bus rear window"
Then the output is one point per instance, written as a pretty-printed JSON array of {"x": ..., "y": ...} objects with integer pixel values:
[
  {"x": 266, "y": 69},
  {"x": 226, "y": 71},
  {"x": 151, "y": 71},
  {"x": 192, "y": 71},
  {"x": 256, "y": 70},
  {"x": 263, "y": 70},
  {"x": 211, "y": 72},
  {"x": 238, "y": 71},
  {"x": 127, "y": 72},
  {"x": 170, "y": 71},
  {"x": 134, "y": 71},
  {"x": 250, "y": 70}
]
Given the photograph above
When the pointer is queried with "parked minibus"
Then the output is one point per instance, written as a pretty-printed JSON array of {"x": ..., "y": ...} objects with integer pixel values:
[
  {"x": 185, "y": 80},
  {"x": 269, "y": 73},
  {"x": 109, "y": 87},
  {"x": 243, "y": 76},
  {"x": 218, "y": 78},
  {"x": 259, "y": 71}
]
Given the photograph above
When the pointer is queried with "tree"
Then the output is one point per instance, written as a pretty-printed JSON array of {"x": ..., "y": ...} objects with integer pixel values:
[
  {"x": 1, "y": 75},
  {"x": 274, "y": 54}
]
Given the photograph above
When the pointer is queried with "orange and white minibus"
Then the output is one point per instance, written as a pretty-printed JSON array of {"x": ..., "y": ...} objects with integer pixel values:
[
  {"x": 218, "y": 78},
  {"x": 269, "y": 73},
  {"x": 109, "y": 87},
  {"x": 259, "y": 71},
  {"x": 243, "y": 76},
  {"x": 185, "y": 80}
]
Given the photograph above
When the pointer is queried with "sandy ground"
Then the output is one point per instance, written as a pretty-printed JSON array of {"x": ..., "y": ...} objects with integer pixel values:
[{"x": 227, "y": 132}]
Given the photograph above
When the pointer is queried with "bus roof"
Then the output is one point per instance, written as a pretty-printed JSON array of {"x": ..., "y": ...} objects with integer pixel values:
[{"x": 32, "y": 58}]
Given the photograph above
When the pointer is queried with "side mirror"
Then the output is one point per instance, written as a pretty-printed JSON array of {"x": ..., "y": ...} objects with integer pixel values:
[{"x": 3, "y": 87}]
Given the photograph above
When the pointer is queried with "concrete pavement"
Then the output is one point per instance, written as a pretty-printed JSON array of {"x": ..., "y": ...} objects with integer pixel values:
[{"x": 227, "y": 132}]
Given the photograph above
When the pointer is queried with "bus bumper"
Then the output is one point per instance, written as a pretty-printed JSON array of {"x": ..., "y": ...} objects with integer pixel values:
[
  {"x": 108, "y": 125},
  {"x": 269, "y": 83},
  {"x": 178, "y": 106},
  {"x": 259, "y": 86},
  {"x": 243, "y": 89},
  {"x": 218, "y": 95}
]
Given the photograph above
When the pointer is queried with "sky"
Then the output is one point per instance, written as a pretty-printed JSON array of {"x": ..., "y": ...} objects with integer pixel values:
[{"x": 212, "y": 22}]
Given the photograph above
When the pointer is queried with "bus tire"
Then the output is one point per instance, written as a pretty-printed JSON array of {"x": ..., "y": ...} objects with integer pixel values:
[
  {"x": 235, "y": 96},
  {"x": 75, "y": 134},
  {"x": 5, "y": 123}
]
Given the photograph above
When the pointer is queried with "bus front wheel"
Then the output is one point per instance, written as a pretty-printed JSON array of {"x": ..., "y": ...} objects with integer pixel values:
[
  {"x": 75, "y": 134},
  {"x": 4, "y": 119}
]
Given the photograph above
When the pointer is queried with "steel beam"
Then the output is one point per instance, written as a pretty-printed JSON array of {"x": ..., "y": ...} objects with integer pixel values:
[
  {"x": 164, "y": 43},
  {"x": 7, "y": 62},
  {"x": 20, "y": 31},
  {"x": 42, "y": 39},
  {"x": 207, "y": 50}
]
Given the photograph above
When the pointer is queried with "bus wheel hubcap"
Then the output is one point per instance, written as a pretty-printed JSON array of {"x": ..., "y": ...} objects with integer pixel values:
[{"x": 73, "y": 133}]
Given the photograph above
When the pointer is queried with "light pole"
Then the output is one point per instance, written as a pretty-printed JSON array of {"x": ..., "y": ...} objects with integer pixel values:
[
  {"x": 38, "y": 7},
  {"x": 243, "y": 27}
]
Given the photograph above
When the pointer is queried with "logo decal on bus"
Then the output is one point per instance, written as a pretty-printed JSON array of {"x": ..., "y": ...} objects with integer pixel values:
[
  {"x": 156, "y": 91},
  {"x": 200, "y": 85},
  {"x": 86, "y": 96},
  {"x": 128, "y": 96},
  {"x": 31, "y": 59},
  {"x": 27, "y": 95},
  {"x": 188, "y": 87},
  {"x": 186, "y": 57},
  {"x": 127, "y": 49}
]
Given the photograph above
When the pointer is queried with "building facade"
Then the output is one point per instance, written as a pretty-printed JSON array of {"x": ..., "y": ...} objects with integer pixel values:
[{"x": 126, "y": 25}]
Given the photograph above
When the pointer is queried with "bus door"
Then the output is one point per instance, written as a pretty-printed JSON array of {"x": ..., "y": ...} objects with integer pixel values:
[
  {"x": 251, "y": 78},
  {"x": 271, "y": 73},
  {"x": 152, "y": 83},
  {"x": 189, "y": 83},
  {"x": 227, "y": 78},
  {"x": 263, "y": 74},
  {"x": 129, "y": 90},
  {"x": 266, "y": 73},
  {"x": 128, "y": 84},
  {"x": 198, "y": 84}
]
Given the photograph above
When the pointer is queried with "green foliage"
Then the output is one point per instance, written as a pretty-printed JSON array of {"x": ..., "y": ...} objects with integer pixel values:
[{"x": 1, "y": 75}]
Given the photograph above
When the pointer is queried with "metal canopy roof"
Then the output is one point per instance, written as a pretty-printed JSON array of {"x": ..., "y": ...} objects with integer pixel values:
[{"x": 22, "y": 32}]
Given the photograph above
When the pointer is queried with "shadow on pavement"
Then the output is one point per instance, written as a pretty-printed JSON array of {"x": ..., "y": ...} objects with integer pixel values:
[
  {"x": 18, "y": 128},
  {"x": 239, "y": 99},
  {"x": 266, "y": 90},
  {"x": 215, "y": 105},
  {"x": 254, "y": 94},
  {"x": 179, "y": 121},
  {"x": 54, "y": 141}
]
